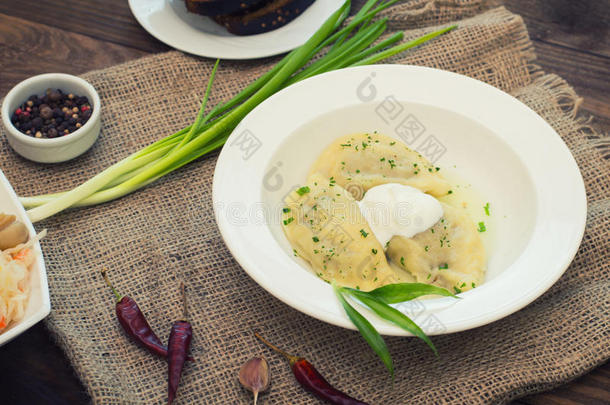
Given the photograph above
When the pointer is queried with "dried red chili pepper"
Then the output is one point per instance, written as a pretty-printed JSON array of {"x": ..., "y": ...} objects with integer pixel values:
[
  {"x": 177, "y": 350},
  {"x": 135, "y": 324},
  {"x": 310, "y": 379}
]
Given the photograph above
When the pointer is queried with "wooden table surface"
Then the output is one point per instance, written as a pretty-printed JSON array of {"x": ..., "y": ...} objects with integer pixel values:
[{"x": 571, "y": 39}]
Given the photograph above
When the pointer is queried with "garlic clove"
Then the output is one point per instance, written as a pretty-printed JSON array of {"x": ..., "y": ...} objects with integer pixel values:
[
  {"x": 11, "y": 234},
  {"x": 254, "y": 375}
]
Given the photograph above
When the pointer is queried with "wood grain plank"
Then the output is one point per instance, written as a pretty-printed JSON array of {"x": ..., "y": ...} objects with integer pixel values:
[
  {"x": 572, "y": 39},
  {"x": 28, "y": 48},
  {"x": 580, "y": 25},
  {"x": 587, "y": 73},
  {"x": 105, "y": 20}
]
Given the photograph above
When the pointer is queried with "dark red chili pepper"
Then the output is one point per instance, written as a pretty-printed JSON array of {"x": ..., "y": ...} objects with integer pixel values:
[
  {"x": 310, "y": 379},
  {"x": 135, "y": 324},
  {"x": 178, "y": 348}
]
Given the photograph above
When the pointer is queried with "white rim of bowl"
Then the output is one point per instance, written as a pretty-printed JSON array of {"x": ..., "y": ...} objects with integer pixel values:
[{"x": 6, "y": 114}]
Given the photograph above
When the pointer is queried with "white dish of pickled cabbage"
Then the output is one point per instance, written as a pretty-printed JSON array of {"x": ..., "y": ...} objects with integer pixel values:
[
  {"x": 24, "y": 293},
  {"x": 469, "y": 175}
]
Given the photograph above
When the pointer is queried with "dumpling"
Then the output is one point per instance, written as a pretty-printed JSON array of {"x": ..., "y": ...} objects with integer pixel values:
[
  {"x": 324, "y": 225},
  {"x": 450, "y": 254},
  {"x": 359, "y": 162}
]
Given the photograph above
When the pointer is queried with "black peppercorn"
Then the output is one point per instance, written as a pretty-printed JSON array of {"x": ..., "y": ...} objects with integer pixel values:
[
  {"x": 46, "y": 112},
  {"x": 54, "y": 95},
  {"x": 37, "y": 122}
]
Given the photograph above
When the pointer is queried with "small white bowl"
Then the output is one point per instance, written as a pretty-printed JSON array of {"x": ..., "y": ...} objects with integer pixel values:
[
  {"x": 57, "y": 149},
  {"x": 509, "y": 154},
  {"x": 39, "y": 303}
]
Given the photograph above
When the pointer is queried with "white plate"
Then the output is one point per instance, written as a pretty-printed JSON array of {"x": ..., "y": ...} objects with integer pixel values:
[
  {"x": 171, "y": 23},
  {"x": 39, "y": 304},
  {"x": 509, "y": 154}
]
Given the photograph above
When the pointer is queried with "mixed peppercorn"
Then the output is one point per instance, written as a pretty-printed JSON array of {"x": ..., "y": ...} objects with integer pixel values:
[{"x": 52, "y": 115}]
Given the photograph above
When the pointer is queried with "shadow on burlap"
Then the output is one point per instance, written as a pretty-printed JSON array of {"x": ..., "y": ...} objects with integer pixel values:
[{"x": 166, "y": 233}]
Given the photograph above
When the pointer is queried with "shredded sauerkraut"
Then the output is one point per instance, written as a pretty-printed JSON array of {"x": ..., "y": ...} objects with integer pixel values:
[{"x": 15, "y": 265}]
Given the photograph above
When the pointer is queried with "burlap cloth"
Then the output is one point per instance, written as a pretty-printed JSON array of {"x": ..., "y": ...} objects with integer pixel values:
[{"x": 165, "y": 233}]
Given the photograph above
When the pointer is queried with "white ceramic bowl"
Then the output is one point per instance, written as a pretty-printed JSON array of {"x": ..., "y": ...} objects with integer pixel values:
[
  {"x": 512, "y": 157},
  {"x": 57, "y": 149},
  {"x": 39, "y": 304}
]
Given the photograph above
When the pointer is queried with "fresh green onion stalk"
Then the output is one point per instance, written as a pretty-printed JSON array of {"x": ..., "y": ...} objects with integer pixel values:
[{"x": 333, "y": 46}]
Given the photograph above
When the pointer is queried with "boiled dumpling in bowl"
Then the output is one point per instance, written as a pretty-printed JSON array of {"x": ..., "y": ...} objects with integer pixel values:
[
  {"x": 359, "y": 162},
  {"x": 450, "y": 254},
  {"x": 324, "y": 225}
]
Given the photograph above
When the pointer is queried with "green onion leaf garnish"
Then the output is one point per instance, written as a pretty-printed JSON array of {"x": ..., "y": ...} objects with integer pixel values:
[
  {"x": 368, "y": 332},
  {"x": 401, "y": 292},
  {"x": 393, "y": 315}
]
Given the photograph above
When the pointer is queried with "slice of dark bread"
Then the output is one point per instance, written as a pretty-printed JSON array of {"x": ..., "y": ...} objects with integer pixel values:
[
  {"x": 267, "y": 16},
  {"x": 219, "y": 7}
]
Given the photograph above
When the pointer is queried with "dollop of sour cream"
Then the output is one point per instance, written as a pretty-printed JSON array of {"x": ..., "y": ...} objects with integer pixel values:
[{"x": 395, "y": 209}]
